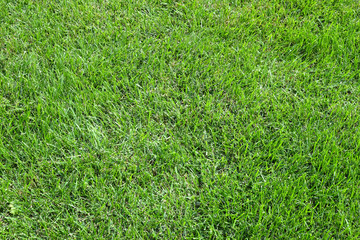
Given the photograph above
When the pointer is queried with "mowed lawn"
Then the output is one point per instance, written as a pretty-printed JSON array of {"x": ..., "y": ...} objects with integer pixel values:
[{"x": 204, "y": 119}]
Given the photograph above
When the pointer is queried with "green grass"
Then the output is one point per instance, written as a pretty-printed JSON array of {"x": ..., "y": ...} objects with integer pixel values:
[{"x": 205, "y": 119}]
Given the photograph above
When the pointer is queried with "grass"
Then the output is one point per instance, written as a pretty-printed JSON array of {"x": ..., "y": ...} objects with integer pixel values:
[{"x": 205, "y": 119}]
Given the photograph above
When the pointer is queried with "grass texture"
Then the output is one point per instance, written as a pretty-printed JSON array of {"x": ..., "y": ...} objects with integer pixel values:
[{"x": 165, "y": 119}]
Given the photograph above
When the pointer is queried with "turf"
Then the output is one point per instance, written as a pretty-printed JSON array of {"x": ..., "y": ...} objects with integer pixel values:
[{"x": 205, "y": 119}]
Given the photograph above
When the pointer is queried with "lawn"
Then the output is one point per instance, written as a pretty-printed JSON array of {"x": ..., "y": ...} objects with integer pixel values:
[{"x": 165, "y": 119}]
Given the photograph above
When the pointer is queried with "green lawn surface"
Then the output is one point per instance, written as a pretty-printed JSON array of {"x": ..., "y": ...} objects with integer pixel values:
[{"x": 170, "y": 119}]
